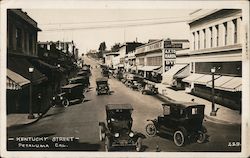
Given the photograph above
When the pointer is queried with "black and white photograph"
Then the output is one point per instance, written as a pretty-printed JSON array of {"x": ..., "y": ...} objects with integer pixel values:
[{"x": 125, "y": 79}]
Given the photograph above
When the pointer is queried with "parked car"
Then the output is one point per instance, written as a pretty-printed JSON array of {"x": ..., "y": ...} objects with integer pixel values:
[
  {"x": 69, "y": 92},
  {"x": 117, "y": 130},
  {"x": 102, "y": 86},
  {"x": 182, "y": 120},
  {"x": 149, "y": 89},
  {"x": 80, "y": 79}
]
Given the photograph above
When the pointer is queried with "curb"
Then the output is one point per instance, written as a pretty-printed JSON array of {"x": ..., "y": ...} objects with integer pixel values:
[{"x": 218, "y": 121}]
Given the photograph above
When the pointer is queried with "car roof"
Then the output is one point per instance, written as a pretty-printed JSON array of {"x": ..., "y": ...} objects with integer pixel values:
[
  {"x": 72, "y": 85},
  {"x": 102, "y": 79},
  {"x": 78, "y": 77},
  {"x": 119, "y": 106},
  {"x": 181, "y": 105}
]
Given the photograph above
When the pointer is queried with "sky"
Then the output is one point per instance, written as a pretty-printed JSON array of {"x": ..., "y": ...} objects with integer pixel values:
[{"x": 89, "y": 27}]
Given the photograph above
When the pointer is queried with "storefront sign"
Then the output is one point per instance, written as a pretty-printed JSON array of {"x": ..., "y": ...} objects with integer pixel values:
[{"x": 169, "y": 58}]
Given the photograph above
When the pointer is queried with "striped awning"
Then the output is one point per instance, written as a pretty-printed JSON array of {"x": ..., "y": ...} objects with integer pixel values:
[
  {"x": 15, "y": 81},
  {"x": 227, "y": 83}
]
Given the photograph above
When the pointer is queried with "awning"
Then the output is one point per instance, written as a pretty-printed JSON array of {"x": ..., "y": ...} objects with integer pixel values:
[
  {"x": 44, "y": 64},
  {"x": 192, "y": 77},
  {"x": 149, "y": 68},
  {"x": 159, "y": 71},
  {"x": 169, "y": 75},
  {"x": 21, "y": 66},
  {"x": 15, "y": 81},
  {"x": 183, "y": 73},
  {"x": 227, "y": 83},
  {"x": 205, "y": 79}
]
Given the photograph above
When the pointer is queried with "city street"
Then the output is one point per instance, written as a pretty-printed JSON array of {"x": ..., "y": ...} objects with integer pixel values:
[{"x": 81, "y": 122}]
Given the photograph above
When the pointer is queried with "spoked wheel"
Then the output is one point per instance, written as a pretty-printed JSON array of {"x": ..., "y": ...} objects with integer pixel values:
[
  {"x": 101, "y": 134},
  {"x": 107, "y": 144},
  {"x": 151, "y": 129},
  {"x": 179, "y": 138},
  {"x": 65, "y": 102},
  {"x": 138, "y": 144},
  {"x": 201, "y": 137}
]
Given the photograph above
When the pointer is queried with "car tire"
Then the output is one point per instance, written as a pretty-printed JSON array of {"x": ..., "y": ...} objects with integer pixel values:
[
  {"x": 107, "y": 144},
  {"x": 138, "y": 145},
  {"x": 151, "y": 129},
  {"x": 97, "y": 93},
  {"x": 65, "y": 102},
  {"x": 201, "y": 137},
  {"x": 179, "y": 138},
  {"x": 101, "y": 134}
]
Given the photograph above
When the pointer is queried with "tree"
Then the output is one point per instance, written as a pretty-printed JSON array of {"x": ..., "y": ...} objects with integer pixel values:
[
  {"x": 102, "y": 47},
  {"x": 116, "y": 47}
]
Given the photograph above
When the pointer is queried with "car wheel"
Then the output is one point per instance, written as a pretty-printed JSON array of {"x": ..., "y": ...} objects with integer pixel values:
[
  {"x": 65, "y": 102},
  {"x": 107, "y": 144},
  {"x": 97, "y": 93},
  {"x": 151, "y": 129},
  {"x": 179, "y": 138},
  {"x": 201, "y": 137},
  {"x": 101, "y": 134},
  {"x": 143, "y": 92},
  {"x": 138, "y": 144}
]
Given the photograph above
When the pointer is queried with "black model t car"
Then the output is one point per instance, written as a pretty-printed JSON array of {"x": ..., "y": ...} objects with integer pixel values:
[
  {"x": 117, "y": 130},
  {"x": 69, "y": 93},
  {"x": 80, "y": 79},
  {"x": 182, "y": 120},
  {"x": 102, "y": 86}
]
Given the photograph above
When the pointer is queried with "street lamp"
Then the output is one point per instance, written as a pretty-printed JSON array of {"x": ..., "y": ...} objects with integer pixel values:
[
  {"x": 31, "y": 116},
  {"x": 213, "y": 112}
]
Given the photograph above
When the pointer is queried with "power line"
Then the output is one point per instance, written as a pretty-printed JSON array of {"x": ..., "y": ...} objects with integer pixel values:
[
  {"x": 115, "y": 26},
  {"x": 91, "y": 22}
]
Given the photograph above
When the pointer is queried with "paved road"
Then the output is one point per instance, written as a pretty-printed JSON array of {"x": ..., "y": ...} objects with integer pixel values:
[{"x": 81, "y": 121}]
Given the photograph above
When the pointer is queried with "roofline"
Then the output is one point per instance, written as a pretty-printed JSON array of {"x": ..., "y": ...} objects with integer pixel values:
[
  {"x": 202, "y": 16},
  {"x": 19, "y": 13}
]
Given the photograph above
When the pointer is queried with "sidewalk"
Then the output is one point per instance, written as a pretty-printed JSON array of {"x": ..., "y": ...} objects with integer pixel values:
[
  {"x": 224, "y": 114},
  {"x": 20, "y": 119}
]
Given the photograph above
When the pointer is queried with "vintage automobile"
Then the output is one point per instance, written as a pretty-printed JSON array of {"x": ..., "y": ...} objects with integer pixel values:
[
  {"x": 80, "y": 79},
  {"x": 69, "y": 93},
  {"x": 117, "y": 130},
  {"x": 149, "y": 89},
  {"x": 102, "y": 86},
  {"x": 136, "y": 83},
  {"x": 182, "y": 120}
]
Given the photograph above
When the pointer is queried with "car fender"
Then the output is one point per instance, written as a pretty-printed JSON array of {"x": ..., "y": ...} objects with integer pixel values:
[{"x": 154, "y": 121}]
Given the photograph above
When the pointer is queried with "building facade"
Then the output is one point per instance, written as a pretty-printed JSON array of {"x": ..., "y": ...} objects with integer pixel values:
[
  {"x": 157, "y": 57},
  {"x": 216, "y": 42},
  {"x": 21, "y": 54}
]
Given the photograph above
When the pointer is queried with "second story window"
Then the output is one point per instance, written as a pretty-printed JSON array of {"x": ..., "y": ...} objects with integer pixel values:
[
  {"x": 217, "y": 35},
  {"x": 204, "y": 37},
  {"x": 211, "y": 37},
  {"x": 194, "y": 39},
  {"x": 19, "y": 38},
  {"x": 198, "y": 33},
  {"x": 225, "y": 27},
  {"x": 30, "y": 43},
  {"x": 235, "y": 30}
]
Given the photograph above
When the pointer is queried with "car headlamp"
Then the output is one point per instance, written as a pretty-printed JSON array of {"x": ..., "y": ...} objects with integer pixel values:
[
  {"x": 112, "y": 119},
  {"x": 54, "y": 98},
  {"x": 117, "y": 135},
  {"x": 61, "y": 98},
  {"x": 131, "y": 134}
]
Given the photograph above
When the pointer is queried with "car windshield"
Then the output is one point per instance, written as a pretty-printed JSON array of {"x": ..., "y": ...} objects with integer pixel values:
[{"x": 120, "y": 114}]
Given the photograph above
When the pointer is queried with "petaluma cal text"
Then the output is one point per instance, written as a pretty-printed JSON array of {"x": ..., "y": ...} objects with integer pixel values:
[{"x": 25, "y": 145}]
